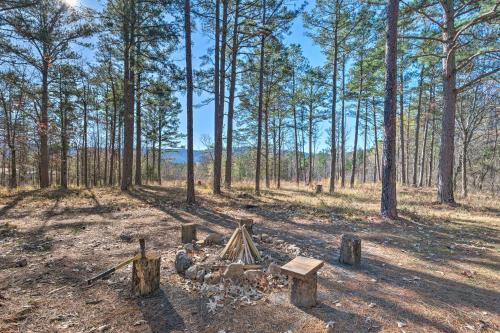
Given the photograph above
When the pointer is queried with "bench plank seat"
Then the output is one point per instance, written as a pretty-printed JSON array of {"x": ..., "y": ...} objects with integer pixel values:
[{"x": 302, "y": 268}]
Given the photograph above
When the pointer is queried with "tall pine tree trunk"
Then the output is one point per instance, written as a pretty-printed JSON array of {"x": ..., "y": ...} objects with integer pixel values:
[
  {"x": 111, "y": 180},
  {"x": 295, "y": 131},
  {"x": 128, "y": 95},
  {"x": 232, "y": 89},
  {"x": 190, "y": 198},
  {"x": 401, "y": 122},
  {"x": 365, "y": 139},
  {"x": 417, "y": 127},
  {"x": 138, "y": 128},
  {"x": 260, "y": 107},
  {"x": 342, "y": 126},
  {"x": 424, "y": 147},
  {"x": 217, "y": 117},
  {"x": 375, "y": 135},
  {"x": 447, "y": 151},
  {"x": 333, "y": 152},
  {"x": 43, "y": 126},
  {"x": 85, "y": 135},
  {"x": 310, "y": 142},
  {"x": 431, "y": 157},
  {"x": 160, "y": 128},
  {"x": 356, "y": 130},
  {"x": 389, "y": 164}
]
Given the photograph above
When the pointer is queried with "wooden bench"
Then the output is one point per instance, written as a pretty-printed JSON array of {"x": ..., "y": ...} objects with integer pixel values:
[{"x": 303, "y": 285}]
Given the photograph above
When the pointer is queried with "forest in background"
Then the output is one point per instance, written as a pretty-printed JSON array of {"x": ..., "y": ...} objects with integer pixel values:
[{"x": 71, "y": 121}]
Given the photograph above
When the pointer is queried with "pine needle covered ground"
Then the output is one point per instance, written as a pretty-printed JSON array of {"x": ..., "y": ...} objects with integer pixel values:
[{"x": 434, "y": 270}]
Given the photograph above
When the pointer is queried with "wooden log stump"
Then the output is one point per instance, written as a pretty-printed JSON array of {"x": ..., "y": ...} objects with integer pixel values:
[
  {"x": 248, "y": 223},
  {"x": 319, "y": 188},
  {"x": 146, "y": 274},
  {"x": 188, "y": 232},
  {"x": 302, "y": 292},
  {"x": 350, "y": 250},
  {"x": 303, "y": 280}
]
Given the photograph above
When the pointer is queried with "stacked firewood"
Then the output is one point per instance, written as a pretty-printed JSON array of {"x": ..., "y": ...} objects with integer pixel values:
[{"x": 240, "y": 247}]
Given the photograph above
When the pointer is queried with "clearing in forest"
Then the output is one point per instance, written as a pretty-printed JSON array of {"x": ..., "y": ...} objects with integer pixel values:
[{"x": 436, "y": 269}]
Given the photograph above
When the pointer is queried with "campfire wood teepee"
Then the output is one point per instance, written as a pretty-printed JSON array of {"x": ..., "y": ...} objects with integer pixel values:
[{"x": 240, "y": 247}]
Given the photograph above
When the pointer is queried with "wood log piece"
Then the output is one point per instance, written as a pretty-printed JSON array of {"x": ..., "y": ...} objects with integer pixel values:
[
  {"x": 302, "y": 292},
  {"x": 146, "y": 274},
  {"x": 350, "y": 250},
  {"x": 319, "y": 188},
  {"x": 188, "y": 232},
  {"x": 248, "y": 223}
]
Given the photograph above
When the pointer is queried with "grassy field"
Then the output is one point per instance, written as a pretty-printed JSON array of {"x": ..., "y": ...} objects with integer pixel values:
[{"x": 436, "y": 269}]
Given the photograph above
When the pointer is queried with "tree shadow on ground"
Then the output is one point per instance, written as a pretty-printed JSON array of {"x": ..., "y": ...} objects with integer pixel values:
[{"x": 159, "y": 313}]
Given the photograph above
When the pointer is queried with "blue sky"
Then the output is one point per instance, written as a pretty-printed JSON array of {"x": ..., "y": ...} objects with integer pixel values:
[{"x": 204, "y": 115}]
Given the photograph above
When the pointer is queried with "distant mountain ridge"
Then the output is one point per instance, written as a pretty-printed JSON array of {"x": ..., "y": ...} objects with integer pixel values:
[{"x": 179, "y": 156}]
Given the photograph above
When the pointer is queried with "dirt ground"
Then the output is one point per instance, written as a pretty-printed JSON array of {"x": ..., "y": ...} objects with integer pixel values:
[{"x": 436, "y": 269}]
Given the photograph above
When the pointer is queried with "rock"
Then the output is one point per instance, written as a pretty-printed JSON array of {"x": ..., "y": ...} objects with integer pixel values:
[
  {"x": 140, "y": 322},
  {"x": 200, "y": 275},
  {"x": 293, "y": 249},
  {"x": 126, "y": 237},
  {"x": 279, "y": 242},
  {"x": 330, "y": 327},
  {"x": 264, "y": 237},
  {"x": 104, "y": 328},
  {"x": 189, "y": 248},
  {"x": 182, "y": 261},
  {"x": 21, "y": 262},
  {"x": 212, "y": 278},
  {"x": 234, "y": 271},
  {"x": 191, "y": 272},
  {"x": 254, "y": 275},
  {"x": 200, "y": 243},
  {"x": 274, "y": 269},
  {"x": 216, "y": 239},
  {"x": 195, "y": 273}
]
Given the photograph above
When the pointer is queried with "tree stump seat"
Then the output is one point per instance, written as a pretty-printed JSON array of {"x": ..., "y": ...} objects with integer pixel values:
[
  {"x": 319, "y": 188},
  {"x": 188, "y": 232},
  {"x": 303, "y": 285},
  {"x": 350, "y": 250}
]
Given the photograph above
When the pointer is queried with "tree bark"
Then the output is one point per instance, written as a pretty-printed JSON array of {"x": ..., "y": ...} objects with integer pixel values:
[{"x": 388, "y": 197}]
